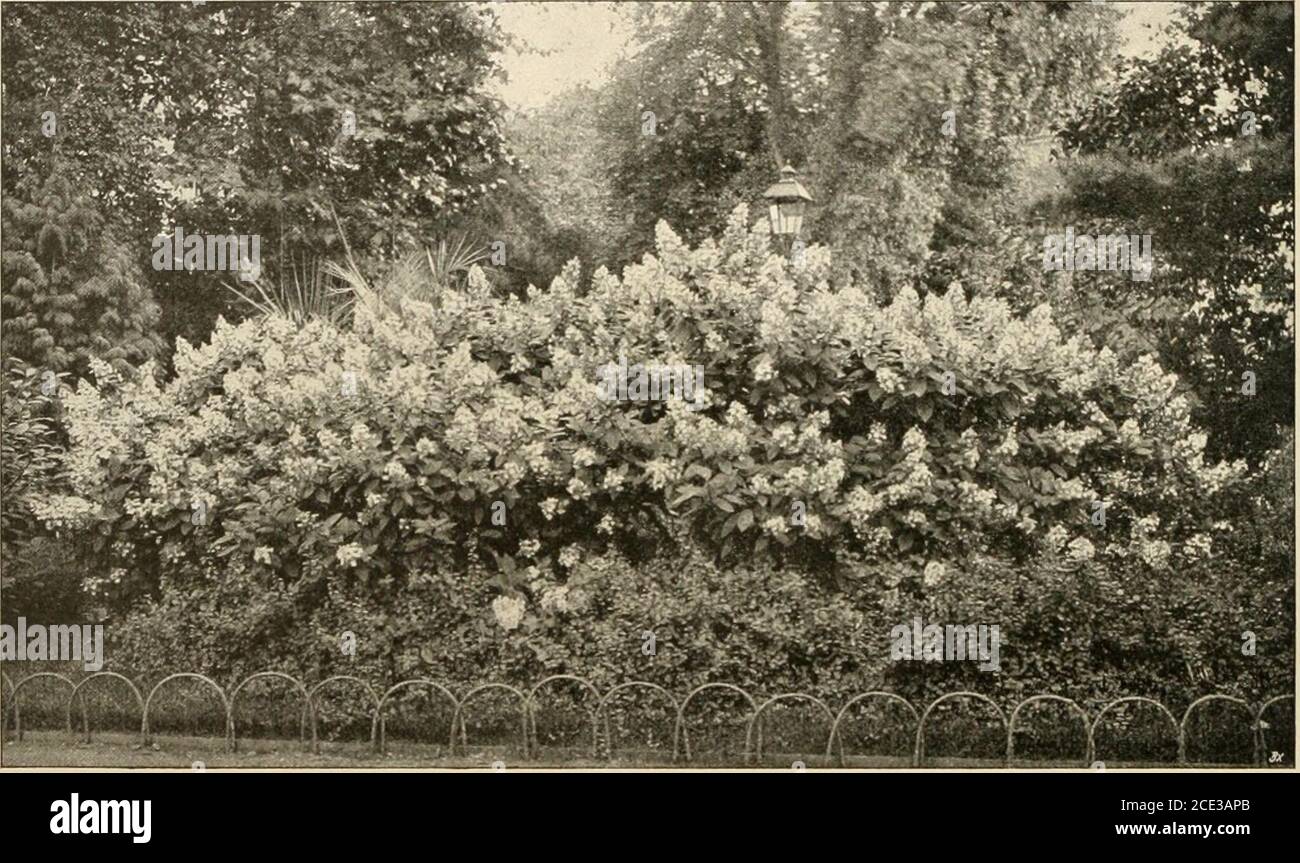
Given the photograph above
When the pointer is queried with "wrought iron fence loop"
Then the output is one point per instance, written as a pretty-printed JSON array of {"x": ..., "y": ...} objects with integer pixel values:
[
  {"x": 1060, "y": 699},
  {"x": 18, "y": 719},
  {"x": 338, "y": 678},
  {"x": 530, "y": 709},
  {"x": 377, "y": 723},
  {"x": 221, "y": 693},
  {"x": 680, "y": 730},
  {"x": 599, "y": 712},
  {"x": 85, "y": 714},
  {"x": 918, "y": 755},
  {"x": 276, "y": 675},
  {"x": 1138, "y": 699},
  {"x": 756, "y": 723},
  {"x": 836, "y": 737},
  {"x": 654, "y": 687},
  {"x": 1261, "y": 743},
  {"x": 523, "y": 713}
]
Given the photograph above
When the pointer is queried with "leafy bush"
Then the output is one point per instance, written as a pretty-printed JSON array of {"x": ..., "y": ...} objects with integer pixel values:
[
  {"x": 71, "y": 289},
  {"x": 1088, "y": 631},
  {"x": 40, "y": 578},
  {"x": 464, "y": 440},
  {"x": 30, "y": 446},
  {"x": 677, "y": 621}
]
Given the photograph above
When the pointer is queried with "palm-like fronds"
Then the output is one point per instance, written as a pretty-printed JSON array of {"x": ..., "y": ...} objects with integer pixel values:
[
  {"x": 329, "y": 289},
  {"x": 418, "y": 276},
  {"x": 306, "y": 289},
  {"x": 451, "y": 261}
]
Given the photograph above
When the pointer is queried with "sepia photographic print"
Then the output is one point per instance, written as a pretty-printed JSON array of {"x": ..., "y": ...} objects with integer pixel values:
[{"x": 758, "y": 386}]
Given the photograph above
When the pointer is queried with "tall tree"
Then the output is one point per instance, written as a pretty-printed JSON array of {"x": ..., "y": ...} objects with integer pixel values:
[
  {"x": 1194, "y": 147},
  {"x": 77, "y": 78},
  {"x": 854, "y": 94},
  {"x": 701, "y": 118},
  {"x": 915, "y": 163},
  {"x": 71, "y": 289},
  {"x": 256, "y": 119}
]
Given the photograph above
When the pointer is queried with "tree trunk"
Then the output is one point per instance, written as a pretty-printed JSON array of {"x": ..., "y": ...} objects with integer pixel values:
[{"x": 771, "y": 44}]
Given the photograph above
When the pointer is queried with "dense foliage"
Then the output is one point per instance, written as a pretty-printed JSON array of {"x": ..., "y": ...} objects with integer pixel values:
[
  {"x": 907, "y": 120},
  {"x": 1219, "y": 309},
  {"x": 255, "y": 119},
  {"x": 70, "y": 289},
  {"x": 1194, "y": 146},
  {"x": 919, "y": 429},
  {"x": 870, "y": 452},
  {"x": 1092, "y": 631},
  {"x": 41, "y": 577}
]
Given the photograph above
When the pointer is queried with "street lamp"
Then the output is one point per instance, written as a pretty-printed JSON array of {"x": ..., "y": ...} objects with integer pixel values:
[{"x": 786, "y": 200}]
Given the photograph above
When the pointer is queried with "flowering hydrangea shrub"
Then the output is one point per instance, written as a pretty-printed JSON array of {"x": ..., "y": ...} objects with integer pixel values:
[
  {"x": 444, "y": 475},
  {"x": 831, "y": 429}
]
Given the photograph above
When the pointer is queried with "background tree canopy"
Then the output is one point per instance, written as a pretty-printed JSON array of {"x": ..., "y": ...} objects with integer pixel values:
[
  {"x": 224, "y": 118},
  {"x": 1195, "y": 147},
  {"x": 855, "y": 94}
]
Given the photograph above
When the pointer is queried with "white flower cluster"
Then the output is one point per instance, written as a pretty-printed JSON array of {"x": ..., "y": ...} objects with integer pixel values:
[
  {"x": 349, "y": 555},
  {"x": 395, "y": 473},
  {"x": 970, "y": 453},
  {"x": 776, "y": 526},
  {"x": 1130, "y": 433},
  {"x": 1071, "y": 441},
  {"x": 1198, "y": 547},
  {"x": 1010, "y": 445},
  {"x": 860, "y": 507},
  {"x": 1057, "y": 536},
  {"x": 556, "y": 598},
  {"x": 659, "y": 473},
  {"x": 1080, "y": 549},
  {"x": 509, "y": 612},
  {"x": 934, "y": 573},
  {"x": 1154, "y": 552},
  {"x": 978, "y": 499},
  {"x": 570, "y": 556},
  {"x": 65, "y": 511},
  {"x": 889, "y": 380}
]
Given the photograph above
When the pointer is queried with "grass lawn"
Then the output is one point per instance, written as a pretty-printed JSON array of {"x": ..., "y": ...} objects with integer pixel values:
[{"x": 119, "y": 749}]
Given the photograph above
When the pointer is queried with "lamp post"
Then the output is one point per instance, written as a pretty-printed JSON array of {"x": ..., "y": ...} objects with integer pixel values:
[{"x": 786, "y": 200}]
